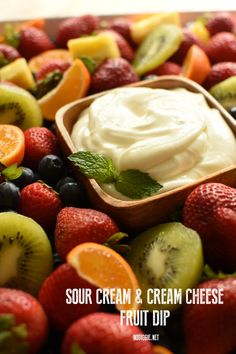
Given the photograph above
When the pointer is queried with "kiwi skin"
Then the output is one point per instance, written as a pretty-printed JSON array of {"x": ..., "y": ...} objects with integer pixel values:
[
  {"x": 18, "y": 107},
  {"x": 225, "y": 92},
  {"x": 25, "y": 253},
  {"x": 166, "y": 256}
]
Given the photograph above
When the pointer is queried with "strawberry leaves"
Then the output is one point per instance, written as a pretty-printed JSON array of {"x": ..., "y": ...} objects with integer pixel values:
[
  {"x": 209, "y": 273},
  {"x": 133, "y": 183}
]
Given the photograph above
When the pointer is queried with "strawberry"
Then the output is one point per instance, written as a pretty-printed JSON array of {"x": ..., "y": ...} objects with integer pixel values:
[
  {"x": 188, "y": 40},
  {"x": 221, "y": 22},
  {"x": 221, "y": 47},
  {"x": 210, "y": 328},
  {"x": 53, "y": 297},
  {"x": 126, "y": 51},
  {"x": 33, "y": 41},
  {"x": 76, "y": 27},
  {"x": 7, "y": 54},
  {"x": 23, "y": 322},
  {"x": 113, "y": 73},
  {"x": 39, "y": 142},
  {"x": 210, "y": 209},
  {"x": 168, "y": 68},
  {"x": 122, "y": 26},
  {"x": 76, "y": 225},
  {"x": 102, "y": 333},
  {"x": 50, "y": 66},
  {"x": 41, "y": 203},
  {"x": 220, "y": 72}
]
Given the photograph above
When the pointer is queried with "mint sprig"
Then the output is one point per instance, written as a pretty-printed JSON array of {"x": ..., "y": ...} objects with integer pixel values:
[{"x": 132, "y": 183}]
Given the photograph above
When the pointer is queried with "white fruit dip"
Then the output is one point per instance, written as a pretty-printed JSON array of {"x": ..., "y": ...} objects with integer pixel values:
[{"x": 171, "y": 134}]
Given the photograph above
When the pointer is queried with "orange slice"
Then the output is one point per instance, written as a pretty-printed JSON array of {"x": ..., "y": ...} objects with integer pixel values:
[
  {"x": 196, "y": 64},
  {"x": 12, "y": 145},
  {"x": 36, "y": 62},
  {"x": 106, "y": 269},
  {"x": 159, "y": 349},
  {"x": 73, "y": 86}
]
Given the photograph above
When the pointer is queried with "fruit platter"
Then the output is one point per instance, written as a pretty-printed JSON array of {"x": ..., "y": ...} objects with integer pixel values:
[{"x": 117, "y": 184}]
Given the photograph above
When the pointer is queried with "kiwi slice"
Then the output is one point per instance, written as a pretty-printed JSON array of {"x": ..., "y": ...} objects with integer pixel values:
[
  {"x": 18, "y": 107},
  {"x": 225, "y": 92},
  {"x": 168, "y": 256},
  {"x": 157, "y": 47},
  {"x": 25, "y": 253}
]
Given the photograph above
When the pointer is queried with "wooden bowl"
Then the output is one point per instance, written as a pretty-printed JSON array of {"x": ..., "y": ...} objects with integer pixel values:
[{"x": 140, "y": 214}]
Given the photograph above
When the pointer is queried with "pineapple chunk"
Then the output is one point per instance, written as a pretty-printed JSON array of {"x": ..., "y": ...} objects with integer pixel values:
[
  {"x": 98, "y": 48},
  {"x": 140, "y": 29},
  {"x": 18, "y": 72}
]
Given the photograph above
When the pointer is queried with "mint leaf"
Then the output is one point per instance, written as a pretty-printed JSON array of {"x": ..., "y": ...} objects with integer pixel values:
[
  {"x": 12, "y": 172},
  {"x": 95, "y": 166},
  {"x": 209, "y": 273},
  {"x": 89, "y": 63},
  {"x": 136, "y": 184}
]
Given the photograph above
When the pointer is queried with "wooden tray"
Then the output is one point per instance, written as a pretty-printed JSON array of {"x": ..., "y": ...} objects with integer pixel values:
[{"x": 141, "y": 214}]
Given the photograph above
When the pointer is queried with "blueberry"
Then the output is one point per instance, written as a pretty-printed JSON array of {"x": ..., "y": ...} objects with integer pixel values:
[
  {"x": 27, "y": 177},
  {"x": 51, "y": 169},
  {"x": 72, "y": 194},
  {"x": 9, "y": 196},
  {"x": 232, "y": 111},
  {"x": 62, "y": 181}
]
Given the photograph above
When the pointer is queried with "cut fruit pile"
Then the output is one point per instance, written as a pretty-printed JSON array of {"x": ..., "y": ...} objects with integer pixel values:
[
  {"x": 115, "y": 53},
  {"x": 52, "y": 240}
]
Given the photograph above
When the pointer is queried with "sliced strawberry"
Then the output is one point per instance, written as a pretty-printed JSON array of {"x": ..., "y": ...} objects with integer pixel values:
[{"x": 220, "y": 72}]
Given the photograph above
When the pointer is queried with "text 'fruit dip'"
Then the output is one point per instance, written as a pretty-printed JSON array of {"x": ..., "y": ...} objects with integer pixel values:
[{"x": 173, "y": 135}]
